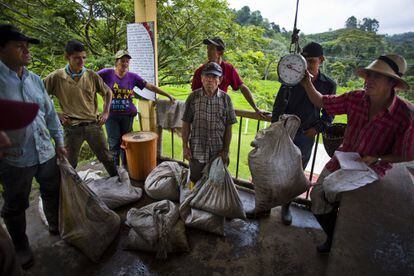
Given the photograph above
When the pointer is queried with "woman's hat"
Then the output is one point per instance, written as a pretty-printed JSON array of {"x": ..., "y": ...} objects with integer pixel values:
[
  {"x": 393, "y": 66},
  {"x": 122, "y": 53}
]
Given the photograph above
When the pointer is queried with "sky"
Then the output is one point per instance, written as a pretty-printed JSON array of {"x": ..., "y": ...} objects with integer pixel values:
[{"x": 394, "y": 16}]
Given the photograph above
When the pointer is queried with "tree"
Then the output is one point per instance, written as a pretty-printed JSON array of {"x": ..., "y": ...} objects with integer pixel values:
[
  {"x": 369, "y": 25},
  {"x": 351, "y": 23},
  {"x": 243, "y": 16}
]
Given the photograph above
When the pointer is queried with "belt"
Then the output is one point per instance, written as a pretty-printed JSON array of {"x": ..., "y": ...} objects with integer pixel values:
[{"x": 84, "y": 124}]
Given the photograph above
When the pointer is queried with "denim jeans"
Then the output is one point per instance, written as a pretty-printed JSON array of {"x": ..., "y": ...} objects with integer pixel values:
[
  {"x": 305, "y": 144},
  {"x": 116, "y": 126}
]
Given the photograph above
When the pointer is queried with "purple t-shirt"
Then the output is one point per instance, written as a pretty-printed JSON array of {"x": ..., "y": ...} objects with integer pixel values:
[{"x": 122, "y": 89}]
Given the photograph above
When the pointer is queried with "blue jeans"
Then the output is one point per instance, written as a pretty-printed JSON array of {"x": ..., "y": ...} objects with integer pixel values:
[
  {"x": 305, "y": 144},
  {"x": 116, "y": 126}
]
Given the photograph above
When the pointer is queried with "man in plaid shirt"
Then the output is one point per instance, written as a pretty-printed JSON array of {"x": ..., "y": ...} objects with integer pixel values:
[
  {"x": 380, "y": 128},
  {"x": 207, "y": 122}
]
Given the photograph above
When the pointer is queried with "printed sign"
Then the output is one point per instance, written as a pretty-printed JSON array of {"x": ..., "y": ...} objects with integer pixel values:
[{"x": 140, "y": 37}]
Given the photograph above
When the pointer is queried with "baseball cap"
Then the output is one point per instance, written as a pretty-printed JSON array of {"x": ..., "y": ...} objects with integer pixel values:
[
  {"x": 9, "y": 32},
  {"x": 212, "y": 68},
  {"x": 217, "y": 41},
  {"x": 122, "y": 53},
  {"x": 312, "y": 49},
  {"x": 15, "y": 115}
]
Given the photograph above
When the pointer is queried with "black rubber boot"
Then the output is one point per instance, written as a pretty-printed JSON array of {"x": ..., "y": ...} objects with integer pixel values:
[
  {"x": 16, "y": 226},
  {"x": 327, "y": 222},
  {"x": 286, "y": 215}
]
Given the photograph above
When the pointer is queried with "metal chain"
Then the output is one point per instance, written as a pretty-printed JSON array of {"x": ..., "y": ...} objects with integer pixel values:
[{"x": 295, "y": 34}]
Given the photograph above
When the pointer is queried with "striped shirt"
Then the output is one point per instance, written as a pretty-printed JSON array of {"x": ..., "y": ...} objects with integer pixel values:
[
  {"x": 391, "y": 131},
  {"x": 209, "y": 117}
]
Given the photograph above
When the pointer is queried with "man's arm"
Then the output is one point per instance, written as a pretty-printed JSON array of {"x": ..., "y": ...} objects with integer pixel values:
[
  {"x": 248, "y": 96},
  {"x": 314, "y": 95},
  {"x": 106, "y": 107},
  {"x": 325, "y": 118},
  {"x": 185, "y": 132},
  {"x": 106, "y": 93},
  {"x": 53, "y": 124},
  {"x": 389, "y": 158},
  {"x": 226, "y": 147}
]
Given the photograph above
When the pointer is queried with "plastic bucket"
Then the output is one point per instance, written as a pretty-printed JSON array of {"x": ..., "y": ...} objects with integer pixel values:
[{"x": 141, "y": 153}]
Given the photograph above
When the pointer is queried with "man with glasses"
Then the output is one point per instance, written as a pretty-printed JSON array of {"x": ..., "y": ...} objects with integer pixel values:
[{"x": 295, "y": 101}]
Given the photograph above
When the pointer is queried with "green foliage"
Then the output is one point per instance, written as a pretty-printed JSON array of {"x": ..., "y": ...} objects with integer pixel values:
[
  {"x": 101, "y": 25},
  {"x": 254, "y": 45}
]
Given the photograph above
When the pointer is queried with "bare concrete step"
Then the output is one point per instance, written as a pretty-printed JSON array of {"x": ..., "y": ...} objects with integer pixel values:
[{"x": 374, "y": 234}]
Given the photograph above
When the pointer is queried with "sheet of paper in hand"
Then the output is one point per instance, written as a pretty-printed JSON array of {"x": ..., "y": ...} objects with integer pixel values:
[{"x": 350, "y": 161}]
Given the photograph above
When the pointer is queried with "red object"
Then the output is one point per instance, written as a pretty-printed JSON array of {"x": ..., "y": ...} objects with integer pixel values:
[
  {"x": 230, "y": 77},
  {"x": 390, "y": 132},
  {"x": 15, "y": 115}
]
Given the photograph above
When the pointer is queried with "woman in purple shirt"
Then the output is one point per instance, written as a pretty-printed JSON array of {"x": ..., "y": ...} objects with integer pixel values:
[{"x": 123, "y": 110}]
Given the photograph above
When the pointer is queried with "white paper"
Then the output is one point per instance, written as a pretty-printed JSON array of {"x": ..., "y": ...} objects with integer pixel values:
[
  {"x": 350, "y": 161},
  {"x": 140, "y": 37}
]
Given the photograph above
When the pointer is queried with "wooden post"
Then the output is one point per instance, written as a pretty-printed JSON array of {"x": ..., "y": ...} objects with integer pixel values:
[{"x": 146, "y": 10}]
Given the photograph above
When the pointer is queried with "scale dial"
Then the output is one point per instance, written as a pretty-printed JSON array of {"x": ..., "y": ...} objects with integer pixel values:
[{"x": 291, "y": 69}]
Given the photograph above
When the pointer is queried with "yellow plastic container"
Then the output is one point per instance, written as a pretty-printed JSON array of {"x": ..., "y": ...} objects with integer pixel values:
[{"x": 141, "y": 153}]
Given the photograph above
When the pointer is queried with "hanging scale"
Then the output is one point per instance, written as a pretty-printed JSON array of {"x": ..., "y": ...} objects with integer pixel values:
[{"x": 292, "y": 67}]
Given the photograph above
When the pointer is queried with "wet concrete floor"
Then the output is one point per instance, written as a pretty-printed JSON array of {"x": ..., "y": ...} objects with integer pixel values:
[{"x": 253, "y": 247}]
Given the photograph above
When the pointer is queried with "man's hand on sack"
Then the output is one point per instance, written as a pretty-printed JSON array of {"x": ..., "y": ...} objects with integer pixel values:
[
  {"x": 61, "y": 153},
  {"x": 310, "y": 132},
  {"x": 187, "y": 153},
  {"x": 224, "y": 154}
]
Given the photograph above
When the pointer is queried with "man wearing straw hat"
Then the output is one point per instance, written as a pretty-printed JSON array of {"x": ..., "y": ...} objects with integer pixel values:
[{"x": 380, "y": 129}]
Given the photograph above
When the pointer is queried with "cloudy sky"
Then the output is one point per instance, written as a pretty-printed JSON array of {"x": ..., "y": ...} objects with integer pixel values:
[{"x": 315, "y": 16}]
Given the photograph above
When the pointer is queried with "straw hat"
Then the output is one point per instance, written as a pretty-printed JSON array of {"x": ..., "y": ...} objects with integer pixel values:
[{"x": 393, "y": 66}]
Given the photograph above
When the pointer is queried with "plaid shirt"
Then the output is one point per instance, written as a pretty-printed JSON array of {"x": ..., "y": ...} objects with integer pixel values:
[
  {"x": 391, "y": 131},
  {"x": 209, "y": 117}
]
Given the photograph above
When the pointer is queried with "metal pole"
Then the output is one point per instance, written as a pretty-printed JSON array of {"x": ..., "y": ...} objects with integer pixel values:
[
  {"x": 238, "y": 147},
  {"x": 172, "y": 143},
  {"x": 313, "y": 163}
]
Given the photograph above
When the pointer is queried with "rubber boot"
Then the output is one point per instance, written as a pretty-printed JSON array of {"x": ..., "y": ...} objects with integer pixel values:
[
  {"x": 327, "y": 222},
  {"x": 16, "y": 226},
  {"x": 286, "y": 215}
]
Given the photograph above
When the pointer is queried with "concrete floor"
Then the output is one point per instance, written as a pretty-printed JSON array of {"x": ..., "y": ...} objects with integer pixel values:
[{"x": 251, "y": 247}]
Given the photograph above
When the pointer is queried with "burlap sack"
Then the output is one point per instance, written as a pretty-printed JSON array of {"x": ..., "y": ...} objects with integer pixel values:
[
  {"x": 217, "y": 193},
  {"x": 163, "y": 181},
  {"x": 156, "y": 228},
  {"x": 196, "y": 218},
  {"x": 115, "y": 191},
  {"x": 276, "y": 164},
  {"x": 84, "y": 220}
]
